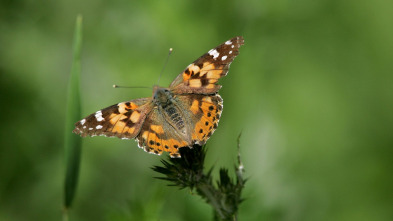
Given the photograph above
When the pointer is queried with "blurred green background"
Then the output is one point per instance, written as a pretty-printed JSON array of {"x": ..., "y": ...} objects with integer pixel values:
[{"x": 311, "y": 91}]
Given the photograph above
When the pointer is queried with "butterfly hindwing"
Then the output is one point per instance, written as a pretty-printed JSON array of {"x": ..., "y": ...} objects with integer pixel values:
[
  {"x": 122, "y": 120},
  {"x": 157, "y": 135},
  {"x": 202, "y": 75},
  {"x": 203, "y": 112}
]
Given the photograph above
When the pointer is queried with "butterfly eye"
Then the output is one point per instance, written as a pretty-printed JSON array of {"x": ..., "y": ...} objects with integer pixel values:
[{"x": 167, "y": 92}]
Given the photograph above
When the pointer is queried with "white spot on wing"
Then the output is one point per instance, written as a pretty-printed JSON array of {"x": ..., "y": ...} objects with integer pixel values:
[
  {"x": 232, "y": 46},
  {"x": 230, "y": 52},
  {"x": 83, "y": 121},
  {"x": 84, "y": 127},
  {"x": 99, "y": 116},
  {"x": 214, "y": 53},
  {"x": 99, "y": 127},
  {"x": 224, "y": 57},
  {"x": 228, "y": 42},
  {"x": 90, "y": 128}
]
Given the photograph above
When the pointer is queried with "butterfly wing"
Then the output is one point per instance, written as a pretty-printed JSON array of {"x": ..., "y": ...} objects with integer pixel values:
[
  {"x": 123, "y": 120},
  {"x": 157, "y": 135},
  {"x": 203, "y": 112},
  {"x": 202, "y": 75}
]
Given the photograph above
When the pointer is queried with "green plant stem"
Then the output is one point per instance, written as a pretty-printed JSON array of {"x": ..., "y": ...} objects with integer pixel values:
[{"x": 209, "y": 192}]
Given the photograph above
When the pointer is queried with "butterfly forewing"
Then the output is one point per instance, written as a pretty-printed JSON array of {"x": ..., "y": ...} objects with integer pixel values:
[
  {"x": 122, "y": 120},
  {"x": 202, "y": 75}
]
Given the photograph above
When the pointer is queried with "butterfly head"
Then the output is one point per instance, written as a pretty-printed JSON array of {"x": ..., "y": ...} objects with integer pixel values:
[{"x": 161, "y": 96}]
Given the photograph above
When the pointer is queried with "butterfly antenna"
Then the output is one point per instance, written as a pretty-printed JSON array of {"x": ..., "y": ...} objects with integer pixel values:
[
  {"x": 118, "y": 86},
  {"x": 166, "y": 62}
]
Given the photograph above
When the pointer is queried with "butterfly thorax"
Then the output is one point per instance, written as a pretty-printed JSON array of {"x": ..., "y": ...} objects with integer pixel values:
[{"x": 165, "y": 102}]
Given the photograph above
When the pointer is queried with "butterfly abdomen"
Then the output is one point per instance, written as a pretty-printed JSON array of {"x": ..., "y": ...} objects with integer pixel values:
[
  {"x": 175, "y": 117},
  {"x": 164, "y": 99}
]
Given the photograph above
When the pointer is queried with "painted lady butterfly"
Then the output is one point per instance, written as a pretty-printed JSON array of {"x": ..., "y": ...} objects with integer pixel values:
[{"x": 184, "y": 114}]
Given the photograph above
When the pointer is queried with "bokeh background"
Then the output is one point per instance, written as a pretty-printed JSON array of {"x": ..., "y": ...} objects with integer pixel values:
[{"x": 311, "y": 92}]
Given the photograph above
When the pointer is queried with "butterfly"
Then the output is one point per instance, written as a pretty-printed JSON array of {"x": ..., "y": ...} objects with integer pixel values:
[{"x": 184, "y": 114}]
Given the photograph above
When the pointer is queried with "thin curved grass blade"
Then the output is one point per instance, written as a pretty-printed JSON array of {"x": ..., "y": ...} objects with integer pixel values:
[{"x": 72, "y": 142}]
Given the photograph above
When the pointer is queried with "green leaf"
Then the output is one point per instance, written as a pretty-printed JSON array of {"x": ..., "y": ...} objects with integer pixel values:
[{"x": 72, "y": 142}]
